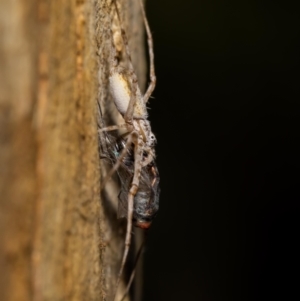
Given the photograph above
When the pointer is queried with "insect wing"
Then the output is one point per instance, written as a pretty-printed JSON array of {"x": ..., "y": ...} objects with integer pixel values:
[{"x": 125, "y": 174}]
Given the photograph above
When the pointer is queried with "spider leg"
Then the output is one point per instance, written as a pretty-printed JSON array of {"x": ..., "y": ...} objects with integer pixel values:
[
  {"x": 128, "y": 237},
  {"x": 113, "y": 57},
  {"x": 112, "y": 128},
  {"x": 152, "y": 84},
  {"x": 138, "y": 156},
  {"x": 124, "y": 37},
  {"x": 137, "y": 257}
]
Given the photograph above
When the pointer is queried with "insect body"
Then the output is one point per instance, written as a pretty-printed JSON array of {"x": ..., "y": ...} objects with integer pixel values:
[{"x": 147, "y": 196}]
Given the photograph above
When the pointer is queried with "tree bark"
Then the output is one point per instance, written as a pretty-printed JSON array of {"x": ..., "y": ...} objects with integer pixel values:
[{"x": 57, "y": 242}]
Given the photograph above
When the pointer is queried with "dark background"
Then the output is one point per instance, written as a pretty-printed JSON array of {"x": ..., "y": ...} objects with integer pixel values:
[{"x": 226, "y": 115}]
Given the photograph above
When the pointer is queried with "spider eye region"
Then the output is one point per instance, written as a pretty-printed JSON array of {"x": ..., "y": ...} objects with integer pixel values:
[{"x": 152, "y": 139}]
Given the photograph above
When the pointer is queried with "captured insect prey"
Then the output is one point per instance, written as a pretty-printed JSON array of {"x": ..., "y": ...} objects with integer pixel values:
[{"x": 146, "y": 199}]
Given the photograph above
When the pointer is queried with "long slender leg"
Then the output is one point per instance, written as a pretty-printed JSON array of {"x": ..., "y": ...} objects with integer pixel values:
[
  {"x": 113, "y": 57},
  {"x": 138, "y": 153},
  {"x": 112, "y": 128},
  {"x": 137, "y": 257},
  {"x": 151, "y": 55},
  {"x": 124, "y": 37},
  {"x": 127, "y": 239}
]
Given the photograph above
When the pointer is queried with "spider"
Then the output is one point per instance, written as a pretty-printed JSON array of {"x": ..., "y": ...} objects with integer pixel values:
[{"x": 140, "y": 141}]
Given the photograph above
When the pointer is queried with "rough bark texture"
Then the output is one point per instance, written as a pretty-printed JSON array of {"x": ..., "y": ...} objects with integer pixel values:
[{"x": 56, "y": 240}]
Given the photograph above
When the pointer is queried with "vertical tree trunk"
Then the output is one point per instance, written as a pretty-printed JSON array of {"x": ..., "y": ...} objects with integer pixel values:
[{"x": 56, "y": 240}]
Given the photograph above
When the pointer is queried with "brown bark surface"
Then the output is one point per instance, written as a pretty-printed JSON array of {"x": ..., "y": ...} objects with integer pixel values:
[{"x": 56, "y": 241}]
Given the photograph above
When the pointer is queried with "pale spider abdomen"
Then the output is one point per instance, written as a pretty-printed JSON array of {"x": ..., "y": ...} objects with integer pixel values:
[{"x": 121, "y": 93}]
